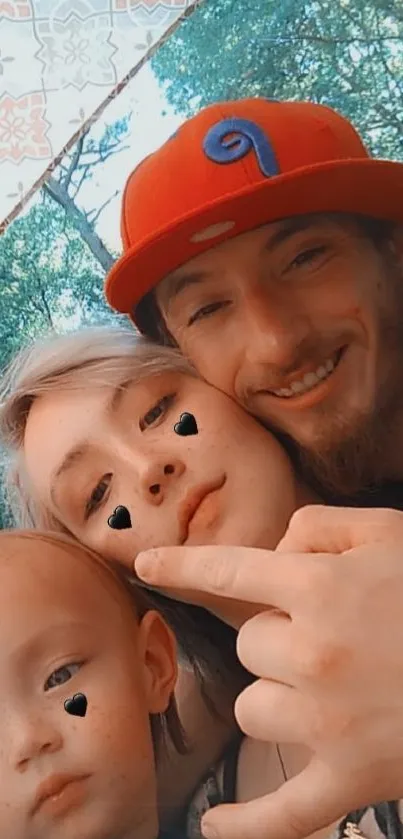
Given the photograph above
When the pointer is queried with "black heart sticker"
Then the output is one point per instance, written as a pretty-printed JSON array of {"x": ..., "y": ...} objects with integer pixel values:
[
  {"x": 120, "y": 518},
  {"x": 77, "y": 706},
  {"x": 186, "y": 426}
]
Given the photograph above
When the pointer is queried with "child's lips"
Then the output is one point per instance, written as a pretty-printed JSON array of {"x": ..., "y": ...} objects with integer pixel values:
[
  {"x": 191, "y": 503},
  {"x": 53, "y": 788}
]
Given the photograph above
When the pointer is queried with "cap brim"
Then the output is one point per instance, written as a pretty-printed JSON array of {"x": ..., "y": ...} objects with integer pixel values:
[{"x": 366, "y": 187}]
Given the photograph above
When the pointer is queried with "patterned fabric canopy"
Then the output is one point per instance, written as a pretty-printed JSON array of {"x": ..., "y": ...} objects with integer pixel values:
[{"x": 61, "y": 63}]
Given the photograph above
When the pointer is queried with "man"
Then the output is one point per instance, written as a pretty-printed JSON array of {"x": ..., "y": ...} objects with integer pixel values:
[
  {"x": 268, "y": 244},
  {"x": 265, "y": 242}
]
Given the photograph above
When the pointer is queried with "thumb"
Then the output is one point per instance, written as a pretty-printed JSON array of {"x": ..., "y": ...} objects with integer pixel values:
[
  {"x": 306, "y": 803},
  {"x": 319, "y": 529}
]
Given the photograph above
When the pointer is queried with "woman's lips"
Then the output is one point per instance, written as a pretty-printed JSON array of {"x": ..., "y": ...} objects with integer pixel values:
[{"x": 191, "y": 503}]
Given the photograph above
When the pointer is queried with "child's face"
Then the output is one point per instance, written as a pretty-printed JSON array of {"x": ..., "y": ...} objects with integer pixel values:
[
  {"x": 66, "y": 628},
  {"x": 88, "y": 451}
]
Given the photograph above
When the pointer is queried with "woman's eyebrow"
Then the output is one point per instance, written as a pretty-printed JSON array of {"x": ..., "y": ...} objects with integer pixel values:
[
  {"x": 116, "y": 397},
  {"x": 69, "y": 461},
  {"x": 79, "y": 451}
]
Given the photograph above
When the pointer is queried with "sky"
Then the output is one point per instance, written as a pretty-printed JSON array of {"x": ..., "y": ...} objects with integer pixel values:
[
  {"x": 149, "y": 129},
  {"x": 152, "y": 122}
]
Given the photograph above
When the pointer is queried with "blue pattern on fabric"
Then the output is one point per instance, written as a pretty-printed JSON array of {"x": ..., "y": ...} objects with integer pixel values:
[{"x": 232, "y": 139}]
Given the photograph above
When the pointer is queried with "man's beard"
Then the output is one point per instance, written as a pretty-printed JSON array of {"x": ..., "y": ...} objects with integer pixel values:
[
  {"x": 348, "y": 463},
  {"x": 355, "y": 454}
]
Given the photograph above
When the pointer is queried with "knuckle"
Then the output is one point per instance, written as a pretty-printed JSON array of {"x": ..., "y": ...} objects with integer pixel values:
[
  {"x": 303, "y": 518},
  {"x": 320, "y": 660},
  {"x": 388, "y": 520},
  {"x": 218, "y": 576},
  {"x": 320, "y": 580},
  {"x": 245, "y": 643},
  {"x": 318, "y": 728},
  {"x": 252, "y": 639},
  {"x": 329, "y": 724},
  {"x": 244, "y": 709},
  {"x": 297, "y": 824}
]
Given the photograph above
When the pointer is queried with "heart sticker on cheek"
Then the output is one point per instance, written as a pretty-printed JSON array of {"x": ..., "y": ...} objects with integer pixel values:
[
  {"x": 77, "y": 706},
  {"x": 120, "y": 519},
  {"x": 186, "y": 426}
]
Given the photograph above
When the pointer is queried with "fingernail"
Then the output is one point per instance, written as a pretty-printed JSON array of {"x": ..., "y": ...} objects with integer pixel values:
[
  {"x": 144, "y": 563},
  {"x": 208, "y": 831}
]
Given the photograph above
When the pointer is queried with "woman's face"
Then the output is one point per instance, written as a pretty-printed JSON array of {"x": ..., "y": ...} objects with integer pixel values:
[{"x": 88, "y": 451}]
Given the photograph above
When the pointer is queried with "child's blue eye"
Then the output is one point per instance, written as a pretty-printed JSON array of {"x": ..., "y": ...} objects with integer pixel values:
[{"x": 61, "y": 675}]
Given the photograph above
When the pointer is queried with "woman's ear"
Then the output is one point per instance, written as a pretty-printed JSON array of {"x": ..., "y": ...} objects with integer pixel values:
[{"x": 159, "y": 656}]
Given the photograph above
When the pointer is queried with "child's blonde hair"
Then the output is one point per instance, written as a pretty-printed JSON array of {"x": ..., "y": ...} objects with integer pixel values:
[{"x": 103, "y": 356}]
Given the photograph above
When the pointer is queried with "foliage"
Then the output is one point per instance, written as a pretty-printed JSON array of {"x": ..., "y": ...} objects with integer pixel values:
[
  {"x": 344, "y": 53},
  {"x": 48, "y": 278},
  {"x": 52, "y": 261}
]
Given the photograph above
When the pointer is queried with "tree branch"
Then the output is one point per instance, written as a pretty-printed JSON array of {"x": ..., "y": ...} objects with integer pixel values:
[
  {"x": 102, "y": 156},
  {"x": 45, "y": 310},
  {"x": 55, "y": 189},
  {"x": 83, "y": 177},
  {"x": 74, "y": 160},
  {"x": 102, "y": 207},
  {"x": 45, "y": 305}
]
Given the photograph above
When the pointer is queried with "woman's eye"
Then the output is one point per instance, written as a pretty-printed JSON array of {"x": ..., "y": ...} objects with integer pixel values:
[
  {"x": 157, "y": 411},
  {"x": 306, "y": 256},
  {"x": 61, "y": 675},
  {"x": 97, "y": 496},
  {"x": 205, "y": 311}
]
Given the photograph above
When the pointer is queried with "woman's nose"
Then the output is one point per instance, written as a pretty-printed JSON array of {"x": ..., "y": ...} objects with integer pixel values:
[{"x": 158, "y": 475}]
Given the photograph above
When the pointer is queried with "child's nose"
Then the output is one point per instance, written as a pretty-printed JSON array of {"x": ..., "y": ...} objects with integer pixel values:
[{"x": 32, "y": 738}]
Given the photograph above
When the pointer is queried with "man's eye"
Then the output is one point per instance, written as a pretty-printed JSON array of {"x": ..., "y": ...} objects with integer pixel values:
[
  {"x": 61, "y": 675},
  {"x": 97, "y": 496},
  {"x": 157, "y": 411},
  {"x": 205, "y": 311},
  {"x": 306, "y": 256}
]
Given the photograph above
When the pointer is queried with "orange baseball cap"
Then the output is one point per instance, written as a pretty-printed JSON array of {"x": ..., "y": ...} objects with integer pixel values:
[{"x": 236, "y": 166}]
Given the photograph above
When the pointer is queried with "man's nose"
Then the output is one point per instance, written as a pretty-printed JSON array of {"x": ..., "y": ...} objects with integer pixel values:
[{"x": 272, "y": 331}]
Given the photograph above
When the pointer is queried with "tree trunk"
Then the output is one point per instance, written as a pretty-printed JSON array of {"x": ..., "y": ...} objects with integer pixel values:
[{"x": 81, "y": 223}]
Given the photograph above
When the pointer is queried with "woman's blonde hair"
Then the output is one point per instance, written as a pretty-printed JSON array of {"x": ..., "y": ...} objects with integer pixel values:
[{"x": 103, "y": 356}]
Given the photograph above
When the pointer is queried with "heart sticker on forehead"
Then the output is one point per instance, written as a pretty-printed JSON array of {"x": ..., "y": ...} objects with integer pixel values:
[
  {"x": 120, "y": 519},
  {"x": 186, "y": 426},
  {"x": 77, "y": 706}
]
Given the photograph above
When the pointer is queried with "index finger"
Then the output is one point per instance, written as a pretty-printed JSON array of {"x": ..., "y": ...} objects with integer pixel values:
[
  {"x": 338, "y": 529},
  {"x": 247, "y": 574}
]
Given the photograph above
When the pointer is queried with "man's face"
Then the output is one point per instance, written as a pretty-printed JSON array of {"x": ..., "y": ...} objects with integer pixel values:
[{"x": 299, "y": 320}]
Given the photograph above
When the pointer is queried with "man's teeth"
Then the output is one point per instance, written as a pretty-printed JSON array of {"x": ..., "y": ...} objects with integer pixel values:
[{"x": 309, "y": 381}]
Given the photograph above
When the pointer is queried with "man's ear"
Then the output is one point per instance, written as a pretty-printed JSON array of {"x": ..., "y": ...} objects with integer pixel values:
[{"x": 159, "y": 656}]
